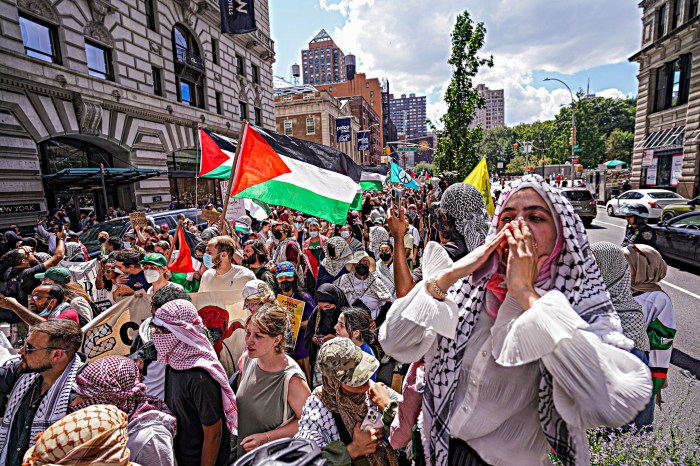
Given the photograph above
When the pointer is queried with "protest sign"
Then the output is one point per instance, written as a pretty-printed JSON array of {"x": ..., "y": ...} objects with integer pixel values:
[
  {"x": 85, "y": 275},
  {"x": 210, "y": 216},
  {"x": 138, "y": 218},
  {"x": 296, "y": 313}
]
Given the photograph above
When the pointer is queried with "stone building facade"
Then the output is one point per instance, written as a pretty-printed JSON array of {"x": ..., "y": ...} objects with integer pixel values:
[
  {"x": 491, "y": 115},
  {"x": 123, "y": 85},
  {"x": 310, "y": 114},
  {"x": 667, "y": 129},
  {"x": 409, "y": 114}
]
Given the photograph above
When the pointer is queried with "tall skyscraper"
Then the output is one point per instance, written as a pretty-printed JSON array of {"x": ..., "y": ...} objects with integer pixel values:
[
  {"x": 409, "y": 115},
  {"x": 323, "y": 62},
  {"x": 491, "y": 116}
]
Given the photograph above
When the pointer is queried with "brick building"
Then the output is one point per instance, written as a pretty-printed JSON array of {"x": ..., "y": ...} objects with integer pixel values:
[
  {"x": 667, "y": 129},
  {"x": 367, "y": 118},
  {"x": 409, "y": 115},
  {"x": 492, "y": 114},
  {"x": 122, "y": 84},
  {"x": 323, "y": 62}
]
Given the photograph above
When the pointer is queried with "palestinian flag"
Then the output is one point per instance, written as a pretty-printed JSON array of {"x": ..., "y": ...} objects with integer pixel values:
[
  {"x": 370, "y": 181},
  {"x": 183, "y": 262},
  {"x": 216, "y": 155},
  {"x": 281, "y": 170}
]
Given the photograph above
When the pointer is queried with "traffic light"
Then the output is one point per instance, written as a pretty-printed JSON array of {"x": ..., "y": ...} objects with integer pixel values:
[
  {"x": 572, "y": 136},
  {"x": 387, "y": 150},
  {"x": 516, "y": 147}
]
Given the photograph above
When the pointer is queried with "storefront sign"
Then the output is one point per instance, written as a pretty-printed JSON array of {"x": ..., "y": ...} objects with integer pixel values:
[
  {"x": 651, "y": 172},
  {"x": 19, "y": 209},
  {"x": 363, "y": 140},
  {"x": 648, "y": 158},
  {"x": 676, "y": 169},
  {"x": 342, "y": 130}
]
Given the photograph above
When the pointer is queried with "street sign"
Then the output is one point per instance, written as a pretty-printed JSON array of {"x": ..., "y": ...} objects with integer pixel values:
[
  {"x": 578, "y": 150},
  {"x": 407, "y": 149},
  {"x": 575, "y": 160}
]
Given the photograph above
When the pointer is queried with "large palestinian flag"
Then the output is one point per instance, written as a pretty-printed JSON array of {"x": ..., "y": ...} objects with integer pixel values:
[
  {"x": 372, "y": 181},
  {"x": 216, "y": 155}
]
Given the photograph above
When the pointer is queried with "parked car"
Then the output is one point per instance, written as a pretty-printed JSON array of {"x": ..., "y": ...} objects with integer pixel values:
[
  {"x": 656, "y": 199},
  {"x": 673, "y": 210},
  {"x": 583, "y": 202},
  {"x": 679, "y": 238},
  {"x": 118, "y": 226}
]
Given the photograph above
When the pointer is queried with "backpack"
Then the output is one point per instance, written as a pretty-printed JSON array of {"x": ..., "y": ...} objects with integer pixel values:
[{"x": 10, "y": 286}]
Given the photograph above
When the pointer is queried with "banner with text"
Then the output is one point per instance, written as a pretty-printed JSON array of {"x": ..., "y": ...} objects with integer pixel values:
[
  {"x": 237, "y": 16},
  {"x": 85, "y": 275},
  {"x": 363, "y": 140},
  {"x": 343, "y": 132}
]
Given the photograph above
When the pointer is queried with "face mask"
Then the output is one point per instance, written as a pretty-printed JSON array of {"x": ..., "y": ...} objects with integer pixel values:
[
  {"x": 298, "y": 225},
  {"x": 151, "y": 276},
  {"x": 45, "y": 312},
  {"x": 313, "y": 234},
  {"x": 126, "y": 245},
  {"x": 345, "y": 234},
  {"x": 102, "y": 240},
  {"x": 412, "y": 214},
  {"x": 286, "y": 286},
  {"x": 362, "y": 269},
  {"x": 330, "y": 310},
  {"x": 208, "y": 260},
  {"x": 385, "y": 256},
  {"x": 277, "y": 234}
]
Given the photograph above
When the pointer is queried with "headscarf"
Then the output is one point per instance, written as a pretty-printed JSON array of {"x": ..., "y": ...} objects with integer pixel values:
[
  {"x": 114, "y": 380},
  {"x": 377, "y": 236},
  {"x": 575, "y": 274},
  {"x": 648, "y": 266},
  {"x": 465, "y": 204},
  {"x": 617, "y": 276},
  {"x": 74, "y": 252},
  {"x": 95, "y": 435},
  {"x": 435, "y": 184},
  {"x": 335, "y": 263},
  {"x": 187, "y": 348}
]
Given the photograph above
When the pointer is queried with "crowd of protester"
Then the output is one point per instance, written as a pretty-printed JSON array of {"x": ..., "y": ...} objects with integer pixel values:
[{"x": 431, "y": 333}]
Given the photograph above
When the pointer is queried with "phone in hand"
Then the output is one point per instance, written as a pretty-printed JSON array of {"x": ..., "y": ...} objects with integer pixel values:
[{"x": 396, "y": 199}]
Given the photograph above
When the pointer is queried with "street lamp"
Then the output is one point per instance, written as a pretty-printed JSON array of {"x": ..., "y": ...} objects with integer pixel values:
[{"x": 573, "y": 126}]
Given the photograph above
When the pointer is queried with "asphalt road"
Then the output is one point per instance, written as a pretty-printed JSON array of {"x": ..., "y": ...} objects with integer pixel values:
[{"x": 682, "y": 284}]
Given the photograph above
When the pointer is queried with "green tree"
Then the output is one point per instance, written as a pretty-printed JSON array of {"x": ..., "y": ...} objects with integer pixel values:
[
  {"x": 424, "y": 166},
  {"x": 618, "y": 145},
  {"x": 497, "y": 146},
  {"x": 516, "y": 166},
  {"x": 457, "y": 148}
]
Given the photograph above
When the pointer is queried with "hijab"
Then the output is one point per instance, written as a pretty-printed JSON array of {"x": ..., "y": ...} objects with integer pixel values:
[
  {"x": 465, "y": 204},
  {"x": 647, "y": 266},
  {"x": 334, "y": 263}
]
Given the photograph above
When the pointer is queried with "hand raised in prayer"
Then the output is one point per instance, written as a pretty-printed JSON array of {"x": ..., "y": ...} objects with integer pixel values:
[
  {"x": 522, "y": 263},
  {"x": 364, "y": 442}
]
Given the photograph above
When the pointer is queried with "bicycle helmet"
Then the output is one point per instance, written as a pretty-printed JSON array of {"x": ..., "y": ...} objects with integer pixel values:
[
  {"x": 284, "y": 452},
  {"x": 634, "y": 210}
]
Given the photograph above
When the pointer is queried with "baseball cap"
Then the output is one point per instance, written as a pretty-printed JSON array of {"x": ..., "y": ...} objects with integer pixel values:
[
  {"x": 252, "y": 288},
  {"x": 344, "y": 361},
  {"x": 154, "y": 258},
  {"x": 285, "y": 269},
  {"x": 58, "y": 274}
]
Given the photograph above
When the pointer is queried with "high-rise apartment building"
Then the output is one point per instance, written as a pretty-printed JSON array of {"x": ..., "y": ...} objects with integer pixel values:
[
  {"x": 323, "y": 62},
  {"x": 491, "y": 115},
  {"x": 409, "y": 114}
]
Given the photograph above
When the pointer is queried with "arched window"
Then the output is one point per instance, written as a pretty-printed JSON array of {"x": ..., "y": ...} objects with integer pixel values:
[{"x": 189, "y": 68}]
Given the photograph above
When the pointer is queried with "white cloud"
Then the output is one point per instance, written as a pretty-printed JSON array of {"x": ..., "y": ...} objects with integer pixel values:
[
  {"x": 611, "y": 93},
  {"x": 408, "y": 42}
]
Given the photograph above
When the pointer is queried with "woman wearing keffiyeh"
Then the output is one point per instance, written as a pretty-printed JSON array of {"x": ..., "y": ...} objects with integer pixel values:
[
  {"x": 522, "y": 345},
  {"x": 114, "y": 380}
]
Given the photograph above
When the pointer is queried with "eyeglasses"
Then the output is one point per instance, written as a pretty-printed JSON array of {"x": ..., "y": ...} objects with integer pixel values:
[
  {"x": 28, "y": 348},
  {"x": 37, "y": 297},
  {"x": 158, "y": 329}
]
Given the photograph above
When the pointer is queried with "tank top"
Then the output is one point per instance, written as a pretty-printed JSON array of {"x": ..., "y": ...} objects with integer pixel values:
[{"x": 260, "y": 399}]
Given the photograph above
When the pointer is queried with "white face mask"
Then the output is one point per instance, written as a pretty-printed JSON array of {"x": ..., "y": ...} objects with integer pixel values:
[{"x": 151, "y": 275}]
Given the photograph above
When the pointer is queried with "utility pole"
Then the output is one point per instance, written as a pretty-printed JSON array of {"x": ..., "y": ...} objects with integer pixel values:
[{"x": 544, "y": 150}]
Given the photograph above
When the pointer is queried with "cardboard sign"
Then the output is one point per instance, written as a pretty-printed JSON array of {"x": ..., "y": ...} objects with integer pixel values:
[
  {"x": 138, "y": 218},
  {"x": 210, "y": 215},
  {"x": 296, "y": 313}
]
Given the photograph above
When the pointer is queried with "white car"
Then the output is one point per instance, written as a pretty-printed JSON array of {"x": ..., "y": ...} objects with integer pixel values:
[{"x": 654, "y": 199}]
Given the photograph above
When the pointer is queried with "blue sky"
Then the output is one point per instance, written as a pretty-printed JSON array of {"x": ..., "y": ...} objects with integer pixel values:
[{"x": 529, "y": 40}]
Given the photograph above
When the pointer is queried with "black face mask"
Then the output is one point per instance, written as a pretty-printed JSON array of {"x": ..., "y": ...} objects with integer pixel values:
[
  {"x": 277, "y": 234},
  {"x": 102, "y": 240},
  {"x": 362, "y": 269},
  {"x": 286, "y": 286},
  {"x": 385, "y": 256}
]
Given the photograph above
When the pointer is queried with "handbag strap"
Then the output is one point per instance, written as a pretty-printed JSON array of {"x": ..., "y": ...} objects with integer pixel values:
[{"x": 345, "y": 436}]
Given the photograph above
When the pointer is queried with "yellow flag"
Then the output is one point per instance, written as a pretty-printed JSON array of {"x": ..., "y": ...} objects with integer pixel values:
[{"x": 479, "y": 178}]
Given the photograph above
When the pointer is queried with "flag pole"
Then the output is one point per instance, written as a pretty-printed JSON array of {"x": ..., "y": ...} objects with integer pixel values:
[
  {"x": 196, "y": 178},
  {"x": 229, "y": 188}
]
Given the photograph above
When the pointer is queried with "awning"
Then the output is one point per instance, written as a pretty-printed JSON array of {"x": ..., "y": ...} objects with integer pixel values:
[
  {"x": 671, "y": 137},
  {"x": 90, "y": 178}
]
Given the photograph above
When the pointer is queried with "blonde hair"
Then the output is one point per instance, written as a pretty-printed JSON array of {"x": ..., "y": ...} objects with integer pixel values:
[
  {"x": 263, "y": 296},
  {"x": 271, "y": 319}
]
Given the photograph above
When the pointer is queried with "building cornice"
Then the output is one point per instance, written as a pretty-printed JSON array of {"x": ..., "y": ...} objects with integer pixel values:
[{"x": 692, "y": 25}]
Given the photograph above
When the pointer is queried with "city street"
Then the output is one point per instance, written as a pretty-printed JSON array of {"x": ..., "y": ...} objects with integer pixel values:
[{"x": 683, "y": 286}]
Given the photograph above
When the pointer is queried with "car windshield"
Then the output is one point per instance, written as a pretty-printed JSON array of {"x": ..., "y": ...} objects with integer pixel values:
[
  {"x": 578, "y": 195},
  {"x": 668, "y": 195},
  {"x": 112, "y": 227},
  {"x": 692, "y": 222}
]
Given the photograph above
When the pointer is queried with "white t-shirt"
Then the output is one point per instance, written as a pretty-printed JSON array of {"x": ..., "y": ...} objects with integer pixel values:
[{"x": 236, "y": 278}]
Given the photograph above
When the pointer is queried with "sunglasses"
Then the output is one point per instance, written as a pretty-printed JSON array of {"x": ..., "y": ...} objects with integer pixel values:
[
  {"x": 28, "y": 348},
  {"x": 158, "y": 329}
]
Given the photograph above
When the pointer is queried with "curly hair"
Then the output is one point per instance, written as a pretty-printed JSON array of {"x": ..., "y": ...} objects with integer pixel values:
[
  {"x": 271, "y": 319},
  {"x": 358, "y": 320}
]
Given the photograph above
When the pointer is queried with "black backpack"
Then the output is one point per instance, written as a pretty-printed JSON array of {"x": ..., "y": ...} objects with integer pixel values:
[{"x": 10, "y": 286}]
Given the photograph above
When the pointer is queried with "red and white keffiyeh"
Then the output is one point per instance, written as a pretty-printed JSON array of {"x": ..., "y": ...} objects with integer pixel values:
[{"x": 185, "y": 347}]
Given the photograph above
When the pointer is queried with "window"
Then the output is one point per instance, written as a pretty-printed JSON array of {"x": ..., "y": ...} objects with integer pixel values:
[
  {"x": 661, "y": 21},
  {"x": 150, "y": 14},
  {"x": 672, "y": 83},
  {"x": 99, "y": 61},
  {"x": 157, "y": 82},
  {"x": 288, "y": 127},
  {"x": 40, "y": 39},
  {"x": 676, "y": 19},
  {"x": 219, "y": 107},
  {"x": 189, "y": 68},
  {"x": 693, "y": 9},
  {"x": 255, "y": 73},
  {"x": 367, "y": 85},
  {"x": 257, "y": 116},
  {"x": 240, "y": 65},
  {"x": 215, "y": 51},
  {"x": 242, "y": 110},
  {"x": 371, "y": 94},
  {"x": 186, "y": 90},
  {"x": 330, "y": 89},
  {"x": 310, "y": 126}
]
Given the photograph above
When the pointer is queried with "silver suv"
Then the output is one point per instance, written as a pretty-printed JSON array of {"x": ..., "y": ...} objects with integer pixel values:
[{"x": 583, "y": 202}]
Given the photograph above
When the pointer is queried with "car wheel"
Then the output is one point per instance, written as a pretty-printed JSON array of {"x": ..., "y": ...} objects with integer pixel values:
[
  {"x": 611, "y": 211},
  {"x": 667, "y": 216}
]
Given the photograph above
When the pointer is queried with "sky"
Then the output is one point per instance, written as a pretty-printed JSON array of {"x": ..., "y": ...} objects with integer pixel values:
[{"x": 408, "y": 42}]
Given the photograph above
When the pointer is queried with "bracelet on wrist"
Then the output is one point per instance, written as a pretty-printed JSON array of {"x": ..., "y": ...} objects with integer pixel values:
[{"x": 436, "y": 291}]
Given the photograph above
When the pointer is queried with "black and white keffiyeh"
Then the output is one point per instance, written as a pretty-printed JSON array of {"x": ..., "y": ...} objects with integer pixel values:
[
  {"x": 465, "y": 204},
  {"x": 377, "y": 236},
  {"x": 618, "y": 280},
  {"x": 576, "y": 274},
  {"x": 53, "y": 407},
  {"x": 337, "y": 253}
]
